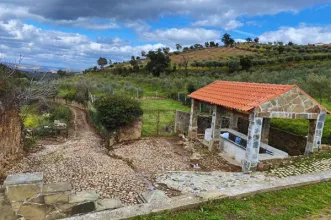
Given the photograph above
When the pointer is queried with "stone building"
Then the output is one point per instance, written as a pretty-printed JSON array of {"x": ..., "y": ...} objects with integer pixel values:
[{"x": 258, "y": 103}]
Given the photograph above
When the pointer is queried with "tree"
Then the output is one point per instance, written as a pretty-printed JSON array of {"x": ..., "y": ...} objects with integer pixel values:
[
  {"x": 102, "y": 62},
  {"x": 290, "y": 43},
  {"x": 280, "y": 49},
  {"x": 143, "y": 53},
  {"x": 158, "y": 62},
  {"x": 246, "y": 63},
  {"x": 191, "y": 88},
  {"x": 318, "y": 85},
  {"x": 256, "y": 40},
  {"x": 134, "y": 64},
  {"x": 233, "y": 65},
  {"x": 61, "y": 73},
  {"x": 110, "y": 62},
  {"x": 166, "y": 50},
  {"x": 184, "y": 63},
  {"x": 178, "y": 47},
  {"x": 206, "y": 44},
  {"x": 115, "y": 111},
  {"x": 227, "y": 40},
  {"x": 248, "y": 39}
]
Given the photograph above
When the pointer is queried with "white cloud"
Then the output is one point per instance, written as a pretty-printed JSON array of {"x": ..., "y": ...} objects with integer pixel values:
[
  {"x": 299, "y": 35},
  {"x": 56, "y": 48},
  {"x": 233, "y": 24},
  {"x": 182, "y": 36}
]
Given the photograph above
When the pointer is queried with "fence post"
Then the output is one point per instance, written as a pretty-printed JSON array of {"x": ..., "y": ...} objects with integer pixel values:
[{"x": 157, "y": 122}]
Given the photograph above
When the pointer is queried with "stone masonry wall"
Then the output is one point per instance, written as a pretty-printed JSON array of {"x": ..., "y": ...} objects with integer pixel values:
[
  {"x": 10, "y": 137},
  {"x": 31, "y": 199}
]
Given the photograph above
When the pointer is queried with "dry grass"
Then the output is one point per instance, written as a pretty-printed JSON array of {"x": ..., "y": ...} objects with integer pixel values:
[{"x": 216, "y": 53}]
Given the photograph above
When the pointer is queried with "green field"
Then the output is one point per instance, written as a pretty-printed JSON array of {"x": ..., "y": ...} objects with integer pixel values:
[
  {"x": 166, "y": 115},
  {"x": 296, "y": 203}
]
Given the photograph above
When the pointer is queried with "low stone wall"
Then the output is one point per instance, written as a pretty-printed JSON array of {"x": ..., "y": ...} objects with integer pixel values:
[
  {"x": 183, "y": 121},
  {"x": 293, "y": 144},
  {"x": 10, "y": 137},
  {"x": 32, "y": 199}
]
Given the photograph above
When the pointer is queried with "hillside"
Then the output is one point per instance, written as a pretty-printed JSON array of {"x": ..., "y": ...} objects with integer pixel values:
[{"x": 211, "y": 53}]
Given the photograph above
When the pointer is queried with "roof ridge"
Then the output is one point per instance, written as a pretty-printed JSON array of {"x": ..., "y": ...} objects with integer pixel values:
[{"x": 254, "y": 83}]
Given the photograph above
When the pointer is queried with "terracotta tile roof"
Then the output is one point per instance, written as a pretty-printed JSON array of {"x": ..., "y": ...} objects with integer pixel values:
[{"x": 239, "y": 95}]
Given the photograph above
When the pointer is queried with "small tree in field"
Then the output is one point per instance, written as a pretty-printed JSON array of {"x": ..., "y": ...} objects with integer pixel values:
[
  {"x": 227, "y": 40},
  {"x": 178, "y": 47},
  {"x": 115, "y": 111},
  {"x": 102, "y": 62},
  {"x": 248, "y": 39},
  {"x": 158, "y": 62},
  {"x": 246, "y": 63},
  {"x": 256, "y": 40}
]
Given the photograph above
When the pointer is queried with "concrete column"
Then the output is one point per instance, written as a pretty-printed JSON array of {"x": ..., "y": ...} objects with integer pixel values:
[
  {"x": 265, "y": 130},
  {"x": 253, "y": 143},
  {"x": 233, "y": 121},
  {"x": 315, "y": 133},
  {"x": 193, "y": 127}
]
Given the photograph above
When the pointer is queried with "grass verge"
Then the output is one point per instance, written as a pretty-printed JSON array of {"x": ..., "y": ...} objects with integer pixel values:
[{"x": 295, "y": 203}]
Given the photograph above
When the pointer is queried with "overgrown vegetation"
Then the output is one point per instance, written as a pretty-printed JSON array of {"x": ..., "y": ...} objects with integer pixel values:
[{"x": 115, "y": 111}]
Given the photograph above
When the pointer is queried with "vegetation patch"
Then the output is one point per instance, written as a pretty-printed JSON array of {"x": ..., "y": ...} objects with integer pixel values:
[{"x": 285, "y": 204}]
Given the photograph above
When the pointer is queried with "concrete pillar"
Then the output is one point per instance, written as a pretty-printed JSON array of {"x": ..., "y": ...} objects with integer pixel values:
[
  {"x": 315, "y": 133},
  {"x": 233, "y": 121},
  {"x": 253, "y": 143},
  {"x": 265, "y": 130},
  {"x": 193, "y": 127},
  {"x": 216, "y": 127}
]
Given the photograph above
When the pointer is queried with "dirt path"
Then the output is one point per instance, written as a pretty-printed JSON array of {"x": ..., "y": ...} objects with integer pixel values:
[{"x": 85, "y": 163}]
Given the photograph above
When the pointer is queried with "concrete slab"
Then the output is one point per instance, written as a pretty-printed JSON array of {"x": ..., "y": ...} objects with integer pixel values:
[{"x": 24, "y": 178}]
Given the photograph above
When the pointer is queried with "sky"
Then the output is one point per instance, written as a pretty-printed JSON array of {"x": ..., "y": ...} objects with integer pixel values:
[{"x": 75, "y": 33}]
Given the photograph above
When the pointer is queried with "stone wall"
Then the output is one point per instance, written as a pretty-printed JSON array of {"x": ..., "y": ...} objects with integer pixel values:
[
  {"x": 291, "y": 143},
  {"x": 204, "y": 121},
  {"x": 30, "y": 198},
  {"x": 10, "y": 137}
]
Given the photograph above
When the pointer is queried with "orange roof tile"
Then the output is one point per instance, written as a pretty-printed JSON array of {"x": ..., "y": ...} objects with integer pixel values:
[{"x": 239, "y": 95}]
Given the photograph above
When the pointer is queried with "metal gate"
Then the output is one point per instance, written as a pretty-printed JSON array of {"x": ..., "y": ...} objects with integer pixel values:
[{"x": 158, "y": 122}]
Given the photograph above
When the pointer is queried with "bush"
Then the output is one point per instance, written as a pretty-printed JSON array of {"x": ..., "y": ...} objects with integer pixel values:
[
  {"x": 233, "y": 65},
  {"x": 116, "y": 111},
  {"x": 60, "y": 112}
]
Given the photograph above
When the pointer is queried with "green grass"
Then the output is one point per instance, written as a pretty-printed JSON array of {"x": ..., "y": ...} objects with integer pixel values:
[
  {"x": 169, "y": 104},
  {"x": 295, "y": 203},
  {"x": 166, "y": 117},
  {"x": 300, "y": 127}
]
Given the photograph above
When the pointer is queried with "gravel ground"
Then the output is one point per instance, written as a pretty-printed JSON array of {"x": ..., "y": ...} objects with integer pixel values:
[
  {"x": 85, "y": 163},
  {"x": 125, "y": 172}
]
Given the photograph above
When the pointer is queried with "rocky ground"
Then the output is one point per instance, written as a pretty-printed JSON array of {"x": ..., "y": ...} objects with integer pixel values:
[{"x": 125, "y": 172}]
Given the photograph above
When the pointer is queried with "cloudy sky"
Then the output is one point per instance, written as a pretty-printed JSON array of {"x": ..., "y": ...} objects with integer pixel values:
[{"x": 75, "y": 33}]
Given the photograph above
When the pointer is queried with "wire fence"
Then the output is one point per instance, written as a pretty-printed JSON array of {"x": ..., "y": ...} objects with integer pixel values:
[{"x": 159, "y": 122}]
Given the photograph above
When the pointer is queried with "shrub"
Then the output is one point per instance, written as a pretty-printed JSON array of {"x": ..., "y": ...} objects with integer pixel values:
[
  {"x": 116, "y": 111},
  {"x": 233, "y": 65},
  {"x": 60, "y": 112}
]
